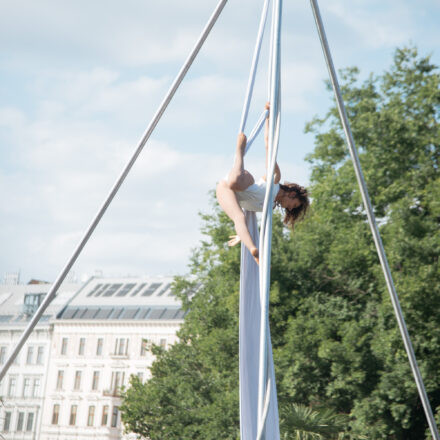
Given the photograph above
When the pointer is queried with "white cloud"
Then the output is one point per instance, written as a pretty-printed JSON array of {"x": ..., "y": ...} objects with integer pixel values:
[
  {"x": 152, "y": 223},
  {"x": 301, "y": 82},
  {"x": 379, "y": 25},
  {"x": 11, "y": 118}
]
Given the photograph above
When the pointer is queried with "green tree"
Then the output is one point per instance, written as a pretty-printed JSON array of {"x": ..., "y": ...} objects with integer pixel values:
[
  {"x": 343, "y": 348},
  {"x": 301, "y": 422},
  {"x": 335, "y": 339}
]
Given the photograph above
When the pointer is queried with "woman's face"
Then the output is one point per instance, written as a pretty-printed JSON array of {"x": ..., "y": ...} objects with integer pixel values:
[{"x": 289, "y": 200}]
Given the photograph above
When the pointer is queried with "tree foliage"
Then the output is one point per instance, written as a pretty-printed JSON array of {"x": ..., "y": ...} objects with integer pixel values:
[
  {"x": 301, "y": 422},
  {"x": 336, "y": 343}
]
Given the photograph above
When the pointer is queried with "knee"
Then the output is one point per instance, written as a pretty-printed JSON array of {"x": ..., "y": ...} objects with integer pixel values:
[{"x": 239, "y": 182}]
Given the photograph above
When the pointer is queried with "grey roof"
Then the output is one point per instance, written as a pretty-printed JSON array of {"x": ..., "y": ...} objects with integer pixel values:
[
  {"x": 121, "y": 313},
  {"x": 126, "y": 291},
  {"x": 129, "y": 298},
  {"x": 14, "y": 311},
  {"x": 117, "y": 298}
]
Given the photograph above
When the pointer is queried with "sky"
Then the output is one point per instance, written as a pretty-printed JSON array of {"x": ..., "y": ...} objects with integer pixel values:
[{"x": 80, "y": 81}]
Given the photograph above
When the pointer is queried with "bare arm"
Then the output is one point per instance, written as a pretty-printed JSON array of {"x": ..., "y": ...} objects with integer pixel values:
[{"x": 277, "y": 172}]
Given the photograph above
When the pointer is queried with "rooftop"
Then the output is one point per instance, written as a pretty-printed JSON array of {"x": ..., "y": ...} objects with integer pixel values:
[
  {"x": 19, "y": 302},
  {"x": 138, "y": 298},
  {"x": 100, "y": 298}
]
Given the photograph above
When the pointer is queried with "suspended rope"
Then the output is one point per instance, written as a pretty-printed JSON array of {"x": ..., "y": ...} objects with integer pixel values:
[
  {"x": 266, "y": 224},
  {"x": 254, "y": 65},
  {"x": 258, "y": 401},
  {"x": 256, "y": 130}
]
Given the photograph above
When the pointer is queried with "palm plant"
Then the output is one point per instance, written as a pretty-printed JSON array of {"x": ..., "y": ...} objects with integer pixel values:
[{"x": 300, "y": 422}]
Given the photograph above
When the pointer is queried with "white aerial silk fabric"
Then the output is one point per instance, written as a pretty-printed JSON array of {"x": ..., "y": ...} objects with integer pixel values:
[{"x": 249, "y": 337}]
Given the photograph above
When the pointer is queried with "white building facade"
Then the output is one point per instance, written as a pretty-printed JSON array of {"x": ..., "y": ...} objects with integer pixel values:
[
  {"x": 101, "y": 338},
  {"x": 23, "y": 388}
]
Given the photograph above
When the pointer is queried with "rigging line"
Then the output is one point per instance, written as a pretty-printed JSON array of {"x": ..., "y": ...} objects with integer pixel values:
[
  {"x": 265, "y": 238},
  {"x": 273, "y": 101},
  {"x": 266, "y": 245},
  {"x": 254, "y": 65},
  {"x": 256, "y": 130},
  {"x": 265, "y": 409},
  {"x": 178, "y": 80},
  {"x": 373, "y": 226}
]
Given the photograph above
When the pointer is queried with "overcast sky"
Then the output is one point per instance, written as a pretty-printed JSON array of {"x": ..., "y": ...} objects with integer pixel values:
[{"x": 80, "y": 81}]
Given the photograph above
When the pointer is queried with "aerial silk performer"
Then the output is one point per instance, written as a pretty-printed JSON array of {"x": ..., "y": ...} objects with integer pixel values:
[
  {"x": 241, "y": 197},
  {"x": 239, "y": 190}
]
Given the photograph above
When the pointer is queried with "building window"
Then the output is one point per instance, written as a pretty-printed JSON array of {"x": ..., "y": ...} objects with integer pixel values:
[
  {"x": 72, "y": 419},
  {"x": 117, "y": 381},
  {"x": 77, "y": 384},
  {"x": 104, "y": 418},
  {"x": 82, "y": 343},
  {"x": 2, "y": 355},
  {"x": 30, "y": 421},
  {"x": 26, "y": 387},
  {"x": 115, "y": 416},
  {"x": 163, "y": 343},
  {"x": 99, "y": 347},
  {"x": 7, "y": 422},
  {"x": 60, "y": 379},
  {"x": 144, "y": 347},
  {"x": 30, "y": 355},
  {"x": 20, "y": 421},
  {"x": 55, "y": 414},
  {"x": 36, "y": 389},
  {"x": 40, "y": 354},
  {"x": 32, "y": 302},
  {"x": 140, "y": 375},
  {"x": 95, "y": 382},
  {"x": 121, "y": 346},
  {"x": 12, "y": 385},
  {"x": 91, "y": 417},
  {"x": 64, "y": 346}
]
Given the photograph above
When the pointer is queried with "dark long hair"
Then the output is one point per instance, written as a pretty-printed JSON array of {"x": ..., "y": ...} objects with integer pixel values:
[{"x": 291, "y": 216}]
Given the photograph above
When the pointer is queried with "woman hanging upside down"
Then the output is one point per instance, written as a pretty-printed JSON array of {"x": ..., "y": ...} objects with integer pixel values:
[{"x": 239, "y": 191}]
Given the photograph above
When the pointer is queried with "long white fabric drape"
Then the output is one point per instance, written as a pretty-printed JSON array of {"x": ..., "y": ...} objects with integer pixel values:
[{"x": 249, "y": 334}]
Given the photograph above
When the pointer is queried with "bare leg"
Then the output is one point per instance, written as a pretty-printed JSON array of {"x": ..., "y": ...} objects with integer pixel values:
[
  {"x": 239, "y": 179},
  {"x": 228, "y": 201}
]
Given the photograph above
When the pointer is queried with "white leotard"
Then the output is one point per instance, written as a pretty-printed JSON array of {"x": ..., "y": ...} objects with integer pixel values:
[{"x": 252, "y": 198}]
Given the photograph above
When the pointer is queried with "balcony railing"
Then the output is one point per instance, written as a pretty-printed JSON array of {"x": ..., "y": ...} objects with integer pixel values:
[{"x": 116, "y": 392}]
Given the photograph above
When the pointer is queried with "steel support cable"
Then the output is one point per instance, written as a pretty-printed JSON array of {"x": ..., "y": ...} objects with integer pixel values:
[
  {"x": 372, "y": 221},
  {"x": 175, "y": 85},
  {"x": 266, "y": 226}
]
